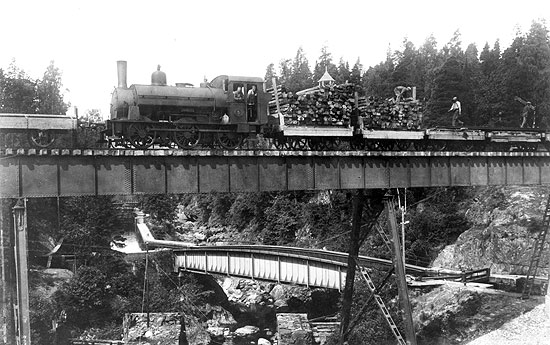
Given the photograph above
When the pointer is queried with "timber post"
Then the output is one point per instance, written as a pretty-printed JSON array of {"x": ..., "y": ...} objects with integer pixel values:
[
  {"x": 7, "y": 281},
  {"x": 354, "y": 245},
  {"x": 23, "y": 324},
  {"x": 410, "y": 336}
]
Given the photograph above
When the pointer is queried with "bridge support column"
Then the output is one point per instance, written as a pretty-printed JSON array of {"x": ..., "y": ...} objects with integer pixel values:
[
  {"x": 7, "y": 276},
  {"x": 371, "y": 202},
  {"x": 23, "y": 322},
  {"x": 398, "y": 260}
]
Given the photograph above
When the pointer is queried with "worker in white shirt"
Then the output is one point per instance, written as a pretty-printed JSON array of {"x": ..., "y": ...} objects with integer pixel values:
[{"x": 456, "y": 110}]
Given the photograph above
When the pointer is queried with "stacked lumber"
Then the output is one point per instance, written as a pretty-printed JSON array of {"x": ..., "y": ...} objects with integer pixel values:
[
  {"x": 284, "y": 97},
  {"x": 388, "y": 114},
  {"x": 335, "y": 105},
  {"x": 318, "y": 106}
]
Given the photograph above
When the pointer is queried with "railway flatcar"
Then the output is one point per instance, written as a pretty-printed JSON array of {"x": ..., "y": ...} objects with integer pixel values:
[{"x": 41, "y": 130}]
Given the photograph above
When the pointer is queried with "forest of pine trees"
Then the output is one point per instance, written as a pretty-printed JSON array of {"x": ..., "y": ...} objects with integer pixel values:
[{"x": 485, "y": 82}]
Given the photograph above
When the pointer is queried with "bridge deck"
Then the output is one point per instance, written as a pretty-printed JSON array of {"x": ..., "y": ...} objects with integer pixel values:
[
  {"x": 301, "y": 266},
  {"x": 64, "y": 172}
]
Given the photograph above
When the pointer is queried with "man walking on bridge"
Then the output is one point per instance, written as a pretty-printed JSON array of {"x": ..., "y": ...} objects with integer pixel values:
[{"x": 456, "y": 109}]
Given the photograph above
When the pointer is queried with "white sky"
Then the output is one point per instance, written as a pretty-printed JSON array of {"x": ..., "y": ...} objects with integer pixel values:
[{"x": 193, "y": 39}]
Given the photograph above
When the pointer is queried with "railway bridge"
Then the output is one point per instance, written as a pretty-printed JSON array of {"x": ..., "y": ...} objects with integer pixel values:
[
  {"x": 69, "y": 172},
  {"x": 290, "y": 265}
]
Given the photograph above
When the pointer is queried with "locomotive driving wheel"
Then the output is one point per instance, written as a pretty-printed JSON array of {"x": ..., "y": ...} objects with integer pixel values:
[
  {"x": 332, "y": 144},
  {"x": 316, "y": 144},
  {"x": 357, "y": 143},
  {"x": 380, "y": 145},
  {"x": 299, "y": 144},
  {"x": 402, "y": 145},
  {"x": 41, "y": 138},
  {"x": 467, "y": 146},
  {"x": 187, "y": 137},
  {"x": 139, "y": 136},
  {"x": 282, "y": 143},
  {"x": 229, "y": 140}
]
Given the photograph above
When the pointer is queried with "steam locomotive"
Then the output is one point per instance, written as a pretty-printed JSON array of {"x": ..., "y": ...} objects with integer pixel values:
[
  {"x": 229, "y": 109},
  {"x": 215, "y": 114}
]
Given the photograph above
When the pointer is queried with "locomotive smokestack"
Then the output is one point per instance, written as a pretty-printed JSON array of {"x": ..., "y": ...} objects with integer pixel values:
[{"x": 121, "y": 69}]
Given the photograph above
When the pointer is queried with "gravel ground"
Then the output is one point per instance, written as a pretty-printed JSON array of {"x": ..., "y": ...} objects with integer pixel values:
[{"x": 531, "y": 328}]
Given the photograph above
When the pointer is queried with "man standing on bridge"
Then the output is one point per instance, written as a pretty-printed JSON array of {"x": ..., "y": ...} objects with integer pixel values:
[
  {"x": 527, "y": 112},
  {"x": 456, "y": 109}
]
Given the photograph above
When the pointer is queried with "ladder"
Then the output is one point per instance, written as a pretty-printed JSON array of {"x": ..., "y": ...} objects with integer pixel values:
[
  {"x": 384, "y": 236},
  {"x": 382, "y": 306},
  {"x": 537, "y": 252}
]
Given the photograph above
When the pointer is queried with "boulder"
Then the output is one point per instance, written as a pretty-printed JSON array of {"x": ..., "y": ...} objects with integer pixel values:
[
  {"x": 247, "y": 332},
  {"x": 263, "y": 341},
  {"x": 504, "y": 224}
]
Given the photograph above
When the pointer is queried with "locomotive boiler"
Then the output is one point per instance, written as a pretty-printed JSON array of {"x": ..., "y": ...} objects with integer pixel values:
[{"x": 222, "y": 112}]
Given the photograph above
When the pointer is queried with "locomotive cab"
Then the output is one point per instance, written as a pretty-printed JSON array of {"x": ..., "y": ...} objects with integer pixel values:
[{"x": 246, "y": 100}]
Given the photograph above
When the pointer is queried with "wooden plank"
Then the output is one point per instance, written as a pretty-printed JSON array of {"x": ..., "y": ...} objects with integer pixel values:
[
  {"x": 385, "y": 134},
  {"x": 327, "y": 131}
]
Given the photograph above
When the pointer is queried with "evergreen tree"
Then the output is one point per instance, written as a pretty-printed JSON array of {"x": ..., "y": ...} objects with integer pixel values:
[
  {"x": 301, "y": 77},
  {"x": 285, "y": 71},
  {"x": 269, "y": 75},
  {"x": 524, "y": 72},
  {"x": 18, "y": 91},
  {"x": 344, "y": 73},
  {"x": 535, "y": 57},
  {"x": 403, "y": 74},
  {"x": 471, "y": 96},
  {"x": 448, "y": 83},
  {"x": 377, "y": 79},
  {"x": 50, "y": 99},
  {"x": 356, "y": 71},
  {"x": 89, "y": 222},
  {"x": 453, "y": 48},
  {"x": 427, "y": 61},
  {"x": 490, "y": 94},
  {"x": 490, "y": 59},
  {"x": 323, "y": 64}
]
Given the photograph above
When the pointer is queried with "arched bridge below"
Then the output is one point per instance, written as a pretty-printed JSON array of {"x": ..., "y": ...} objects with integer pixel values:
[
  {"x": 64, "y": 172},
  {"x": 291, "y": 265}
]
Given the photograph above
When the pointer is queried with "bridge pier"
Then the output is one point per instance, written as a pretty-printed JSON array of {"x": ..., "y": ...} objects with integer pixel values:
[
  {"x": 374, "y": 202},
  {"x": 370, "y": 200},
  {"x": 7, "y": 275}
]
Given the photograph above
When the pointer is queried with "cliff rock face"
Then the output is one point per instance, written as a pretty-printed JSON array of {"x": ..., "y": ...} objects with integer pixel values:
[{"x": 505, "y": 221}]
